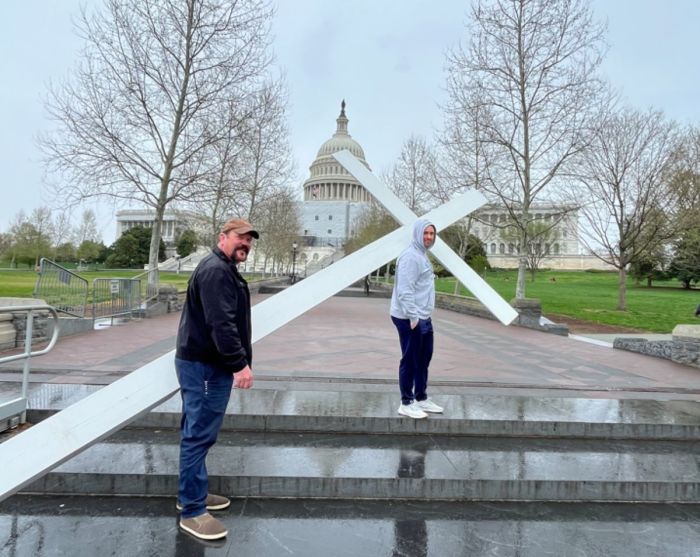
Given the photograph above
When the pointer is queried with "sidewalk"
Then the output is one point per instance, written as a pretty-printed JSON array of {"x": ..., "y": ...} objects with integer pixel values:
[{"x": 352, "y": 341}]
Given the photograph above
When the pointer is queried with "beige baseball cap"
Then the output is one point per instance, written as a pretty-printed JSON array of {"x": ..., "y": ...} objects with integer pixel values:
[{"x": 240, "y": 226}]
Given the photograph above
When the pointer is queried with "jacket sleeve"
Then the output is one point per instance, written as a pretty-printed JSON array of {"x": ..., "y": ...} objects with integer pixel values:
[
  {"x": 406, "y": 279},
  {"x": 219, "y": 294}
]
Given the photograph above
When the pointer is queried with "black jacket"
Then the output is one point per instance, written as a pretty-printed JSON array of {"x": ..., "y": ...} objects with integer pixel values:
[{"x": 215, "y": 324}]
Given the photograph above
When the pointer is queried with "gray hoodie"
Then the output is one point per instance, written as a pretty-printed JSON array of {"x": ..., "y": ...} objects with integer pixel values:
[{"x": 414, "y": 286}]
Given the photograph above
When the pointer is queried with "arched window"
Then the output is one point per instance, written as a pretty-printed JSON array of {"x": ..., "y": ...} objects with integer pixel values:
[
  {"x": 556, "y": 249},
  {"x": 493, "y": 249},
  {"x": 502, "y": 249},
  {"x": 511, "y": 249}
]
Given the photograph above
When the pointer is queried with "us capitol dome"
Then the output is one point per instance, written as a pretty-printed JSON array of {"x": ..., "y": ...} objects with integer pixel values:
[{"x": 333, "y": 199}]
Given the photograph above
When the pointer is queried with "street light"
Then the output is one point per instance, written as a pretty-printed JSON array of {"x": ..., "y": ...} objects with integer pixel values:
[{"x": 294, "y": 261}]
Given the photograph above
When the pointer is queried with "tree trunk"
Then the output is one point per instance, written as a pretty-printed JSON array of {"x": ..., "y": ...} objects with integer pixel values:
[
  {"x": 520, "y": 287},
  {"x": 622, "y": 288},
  {"x": 155, "y": 244}
]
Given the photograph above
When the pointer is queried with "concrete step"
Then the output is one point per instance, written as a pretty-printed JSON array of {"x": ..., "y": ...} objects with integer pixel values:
[
  {"x": 315, "y": 528},
  {"x": 388, "y": 467},
  {"x": 366, "y": 411}
]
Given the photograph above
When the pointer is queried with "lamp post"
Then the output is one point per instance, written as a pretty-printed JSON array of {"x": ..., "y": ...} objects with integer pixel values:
[{"x": 294, "y": 261}]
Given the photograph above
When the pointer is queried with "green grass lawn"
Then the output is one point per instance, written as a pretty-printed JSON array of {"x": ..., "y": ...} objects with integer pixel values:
[
  {"x": 20, "y": 284},
  {"x": 593, "y": 297}
]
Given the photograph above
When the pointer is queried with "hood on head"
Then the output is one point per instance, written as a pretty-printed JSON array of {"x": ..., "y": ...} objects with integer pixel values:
[{"x": 418, "y": 228}]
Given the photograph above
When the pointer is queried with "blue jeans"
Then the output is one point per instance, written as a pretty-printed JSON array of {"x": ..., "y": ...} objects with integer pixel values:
[
  {"x": 205, "y": 391},
  {"x": 416, "y": 353}
]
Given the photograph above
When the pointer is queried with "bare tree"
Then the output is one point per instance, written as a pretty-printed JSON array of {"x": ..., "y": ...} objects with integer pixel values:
[
  {"x": 279, "y": 222},
  {"x": 528, "y": 78},
  {"x": 220, "y": 190},
  {"x": 627, "y": 205},
  {"x": 685, "y": 180},
  {"x": 268, "y": 151},
  {"x": 252, "y": 162},
  {"x": 62, "y": 231},
  {"x": 413, "y": 176},
  {"x": 87, "y": 229},
  {"x": 136, "y": 117}
]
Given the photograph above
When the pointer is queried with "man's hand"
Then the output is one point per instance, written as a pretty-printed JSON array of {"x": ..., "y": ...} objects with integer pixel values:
[
  {"x": 243, "y": 379},
  {"x": 414, "y": 323}
]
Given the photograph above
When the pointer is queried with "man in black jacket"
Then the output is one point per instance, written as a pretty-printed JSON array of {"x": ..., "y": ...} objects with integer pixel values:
[{"x": 214, "y": 352}]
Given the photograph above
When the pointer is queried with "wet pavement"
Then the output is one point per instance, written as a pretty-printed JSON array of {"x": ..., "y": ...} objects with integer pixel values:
[
  {"x": 49, "y": 526},
  {"x": 528, "y": 415},
  {"x": 336, "y": 465}
]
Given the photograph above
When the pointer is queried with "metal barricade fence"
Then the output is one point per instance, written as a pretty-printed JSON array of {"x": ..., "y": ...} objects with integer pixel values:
[
  {"x": 61, "y": 288},
  {"x": 112, "y": 297}
]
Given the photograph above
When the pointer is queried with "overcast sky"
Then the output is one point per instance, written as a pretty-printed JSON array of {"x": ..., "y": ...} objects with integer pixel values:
[{"x": 384, "y": 57}]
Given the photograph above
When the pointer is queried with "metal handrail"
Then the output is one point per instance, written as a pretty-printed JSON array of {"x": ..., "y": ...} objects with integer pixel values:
[{"x": 27, "y": 355}]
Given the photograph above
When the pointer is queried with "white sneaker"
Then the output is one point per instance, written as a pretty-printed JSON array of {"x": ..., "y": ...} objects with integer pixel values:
[
  {"x": 412, "y": 411},
  {"x": 428, "y": 405}
]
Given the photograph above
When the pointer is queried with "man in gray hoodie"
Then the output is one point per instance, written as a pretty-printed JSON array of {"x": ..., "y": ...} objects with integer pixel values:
[{"x": 412, "y": 304}]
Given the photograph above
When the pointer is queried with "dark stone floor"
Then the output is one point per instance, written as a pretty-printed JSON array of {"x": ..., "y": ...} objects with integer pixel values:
[{"x": 35, "y": 526}]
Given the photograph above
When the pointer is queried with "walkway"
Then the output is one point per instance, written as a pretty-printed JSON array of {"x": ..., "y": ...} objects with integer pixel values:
[{"x": 351, "y": 340}]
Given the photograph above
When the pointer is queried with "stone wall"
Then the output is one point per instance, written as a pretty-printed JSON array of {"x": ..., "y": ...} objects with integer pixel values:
[
  {"x": 683, "y": 348},
  {"x": 14, "y": 323},
  {"x": 40, "y": 326},
  {"x": 8, "y": 335},
  {"x": 529, "y": 310}
]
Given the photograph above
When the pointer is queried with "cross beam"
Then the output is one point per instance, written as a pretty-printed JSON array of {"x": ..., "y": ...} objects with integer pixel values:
[
  {"x": 452, "y": 262},
  {"x": 281, "y": 308}
]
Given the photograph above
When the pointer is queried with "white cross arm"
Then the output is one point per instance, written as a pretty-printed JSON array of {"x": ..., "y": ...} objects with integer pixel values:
[
  {"x": 274, "y": 312},
  {"x": 461, "y": 271}
]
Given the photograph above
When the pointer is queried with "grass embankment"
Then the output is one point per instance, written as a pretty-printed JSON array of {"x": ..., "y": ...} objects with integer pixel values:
[
  {"x": 592, "y": 296},
  {"x": 20, "y": 284}
]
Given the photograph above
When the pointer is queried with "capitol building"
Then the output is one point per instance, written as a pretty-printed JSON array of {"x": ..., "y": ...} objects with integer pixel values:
[{"x": 333, "y": 199}]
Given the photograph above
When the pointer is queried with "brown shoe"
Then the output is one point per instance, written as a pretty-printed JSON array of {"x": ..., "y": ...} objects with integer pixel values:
[
  {"x": 214, "y": 503},
  {"x": 204, "y": 527}
]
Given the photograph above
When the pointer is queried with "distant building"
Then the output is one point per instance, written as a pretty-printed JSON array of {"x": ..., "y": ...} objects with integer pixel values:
[
  {"x": 560, "y": 245},
  {"x": 173, "y": 225},
  {"x": 490, "y": 226}
]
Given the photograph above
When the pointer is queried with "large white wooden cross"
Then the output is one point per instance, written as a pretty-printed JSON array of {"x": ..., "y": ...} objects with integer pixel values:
[{"x": 41, "y": 448}]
